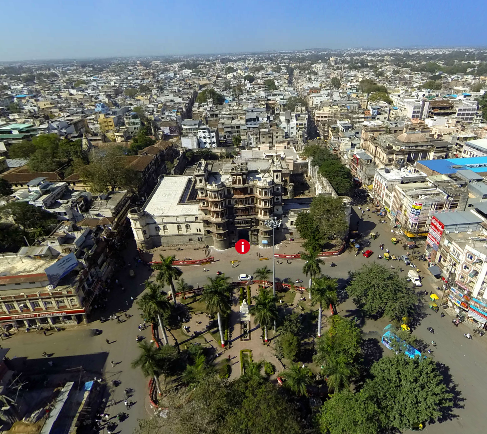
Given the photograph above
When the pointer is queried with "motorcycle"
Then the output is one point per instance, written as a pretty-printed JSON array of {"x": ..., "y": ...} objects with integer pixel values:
[
  {"x": 431, "y": 330},
  {"x": 467, "y": 335}
]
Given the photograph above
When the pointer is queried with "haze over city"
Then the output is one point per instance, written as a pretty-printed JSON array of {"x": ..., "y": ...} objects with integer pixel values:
[{"x": 56, "y": 29}]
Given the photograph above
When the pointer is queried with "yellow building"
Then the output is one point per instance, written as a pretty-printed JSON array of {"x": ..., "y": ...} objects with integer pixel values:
[{"x": 107, "y": 123}]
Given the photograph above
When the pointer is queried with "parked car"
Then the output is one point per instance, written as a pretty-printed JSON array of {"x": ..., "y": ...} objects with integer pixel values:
[
  {"x": 368, "y": 253},
  {"x": 244, "y": 277}
]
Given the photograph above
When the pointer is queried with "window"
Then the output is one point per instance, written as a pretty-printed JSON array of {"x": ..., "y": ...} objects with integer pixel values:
[
  {"x": 73, "y": 302},
  {"x": 188, "y": 228},
  {"x": 35, "y": 304},
  {"x": 158, "y": 228},
  {"x": 9, "y": 306},
  {"x": 164, "y": 228},
  {"x": 179, "y": 228},
  {"x": 49, "y": 304}
]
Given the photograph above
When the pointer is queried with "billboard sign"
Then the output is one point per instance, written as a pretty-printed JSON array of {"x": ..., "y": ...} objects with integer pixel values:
[{"x": 61, "y": 268}]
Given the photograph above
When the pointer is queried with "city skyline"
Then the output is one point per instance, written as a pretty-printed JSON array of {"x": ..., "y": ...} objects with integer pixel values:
[{"x": 54, "y": 30}]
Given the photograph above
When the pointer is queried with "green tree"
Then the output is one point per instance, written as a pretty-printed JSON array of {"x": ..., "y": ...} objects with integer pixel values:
[
  {"x": 369, "y": 86},
  {"x": 339, "y": 352},
  {"x": 477, "y": 87},
  {"x": 150, "y": 362},
  {"x": 298, "y": 379},
  {"x": 288, "y": 346},
  {"x": 107, "y": 171},
  {"x": 131, "y": 92},
  {"x": 311, "y": 267},
  {"x": 29, "y": 218},
  {"x": 11, "y": 237},
  {"x": 23, "y": 149},
  {"x": 237, "y": 141},
  {"x": 153, "y": 304},
  {"x": 183, "y": 287},
  {"x": 249, "y": 78},
  {"x": 324, "y": 293},
  {"x": 140, "y": 112},
  {"x": 292, "y": 102},
  {"x": 253, "y": 371},
  {"x": 197, "y": 370},
  {"x": 380, "y": 291},
  {"x": 167, "y": 273},
  {"x": 380, "y": 96},
  {"x": 5, "y": 187},
  {"x": 270, "y": 84},
  {"x": 79, "y": 83},
  {"x": 217, "y": 297},
  {"x": 409, "y": 391},
  {"x": 141, "y": 141},
  {"x": 143, "y": 88},
  {"x": 212, "y": 94},
  {"x": 336, "y": 83},
  {"x": 265, "y": 309},
  {"x": 432, "y": 85},
  {"x": 262, "y": 273},
  {"x": 349, "y": 413},
  {"x": 14, "y": 107},
  {"x": 229, "y": 70}
]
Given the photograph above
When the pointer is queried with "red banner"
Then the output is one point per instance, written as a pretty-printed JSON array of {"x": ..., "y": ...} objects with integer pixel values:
[{"x": 44, "y": 314}]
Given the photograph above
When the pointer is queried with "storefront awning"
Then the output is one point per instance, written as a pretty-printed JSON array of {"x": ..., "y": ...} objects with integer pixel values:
[{"x": 435, "y": 270}]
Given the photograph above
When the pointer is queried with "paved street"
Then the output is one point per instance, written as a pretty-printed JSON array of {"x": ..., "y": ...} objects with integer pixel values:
[{"x": 464, "y": 357}]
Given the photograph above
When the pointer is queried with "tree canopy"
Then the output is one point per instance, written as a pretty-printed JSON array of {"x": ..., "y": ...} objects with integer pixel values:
[
  {"x": 292, "y": 102},
  {"x": 131, "y": 92},
  {"x": 212, "y": 94},
  {"x": 325, "y": 221},
  {"x": 369, "y": 86},
  {"x": 330, "y": 167},
  {"x": 379, "y": 291},
  {"x": 48, "y": 152},
  {"x": 216, "y": 406},
  {"x": 5, "y": 188},
  {"x": 141, "y": 141},
  {"x": 432, "y": 85},
  {"x": 108, "y": 171},
  {"x": 336, "y": 83},
  {"x": 249, "y": 78},
  {"x": 270, "y": 84},
  {"x": 380, "y": 96}
]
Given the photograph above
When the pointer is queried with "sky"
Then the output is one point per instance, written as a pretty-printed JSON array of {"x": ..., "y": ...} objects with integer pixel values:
[{"x": 60, "y": 29}]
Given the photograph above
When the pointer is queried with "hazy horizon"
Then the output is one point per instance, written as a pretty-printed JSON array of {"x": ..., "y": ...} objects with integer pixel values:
[{"x": 98, "y": 29}]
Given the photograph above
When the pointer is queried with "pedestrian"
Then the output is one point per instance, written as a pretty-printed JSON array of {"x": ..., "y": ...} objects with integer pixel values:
[
  {"x": 126, "y": 403},
  {"x": 45, "y": 333},
  {"x": 108, "y": 342},
  {"x": 113, "y": 364}
]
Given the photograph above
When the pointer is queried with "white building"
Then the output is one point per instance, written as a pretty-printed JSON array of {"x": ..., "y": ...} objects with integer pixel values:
[
  {"x": 170, "y": 216},
  {"x": 475, "y": 148}
]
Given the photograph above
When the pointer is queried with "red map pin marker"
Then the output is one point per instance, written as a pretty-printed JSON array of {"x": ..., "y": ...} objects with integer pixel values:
[{"x": 242, "y": 246}]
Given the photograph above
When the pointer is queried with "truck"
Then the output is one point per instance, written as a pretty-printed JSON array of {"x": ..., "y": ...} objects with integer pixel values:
[{"x": 414, "y": 277}]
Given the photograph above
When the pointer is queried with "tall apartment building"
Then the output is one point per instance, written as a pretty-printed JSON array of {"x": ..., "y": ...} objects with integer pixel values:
[{"x": 236, "y": 200}]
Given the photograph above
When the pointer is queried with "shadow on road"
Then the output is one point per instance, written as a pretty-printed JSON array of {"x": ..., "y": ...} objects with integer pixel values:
[{"x": 457, "y": 401}]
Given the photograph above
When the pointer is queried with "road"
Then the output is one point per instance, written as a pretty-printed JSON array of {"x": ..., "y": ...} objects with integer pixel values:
[{"x": 77, "y": 347}]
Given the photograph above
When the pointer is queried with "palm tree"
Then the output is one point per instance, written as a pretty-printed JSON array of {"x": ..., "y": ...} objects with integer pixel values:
[
  {"x": 324, "y": 293},
  {"x": 196, "y": 372},
  {"x": 338, "y": 374},
  {"x": 265, "y": 309},
  {"x": 167, "y": 273},
  {"x": 312, "y": 265},
  {"x": 252, "y": 370},
  {"x": 153, "y": 303},
  {"x": 298, "y": 379},
  {"x": 262, "y": 273},
  {"x": 149, "y": 361},
  {"x": 216, "y": 295},
  {"x": 184, "y": 287}
]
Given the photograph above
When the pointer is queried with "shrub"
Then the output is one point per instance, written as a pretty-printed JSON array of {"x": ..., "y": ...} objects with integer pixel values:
[
  {"x": 225, "y": 371},
  {"x": 269, "y": 368},
  {"x": 241, "y": 296},
  {"x": 249, "y": 296}
]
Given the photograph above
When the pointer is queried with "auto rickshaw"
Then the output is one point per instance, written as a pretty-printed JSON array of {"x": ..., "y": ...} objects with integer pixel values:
[
  {"x": 387, "y": 257},
  {"x": 394, "y": 240},
  {"x": 394, "y": 258},
  {"x": 434, "y": 297},
  {"x": 434, "y": 307},
  {"x": 405, "y": 327},
  {"x": 417, "y": 427}
]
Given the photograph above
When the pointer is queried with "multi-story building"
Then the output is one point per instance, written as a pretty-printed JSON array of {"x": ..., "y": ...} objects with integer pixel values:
[
  {"x": 207, "y": 137},
  {"x": 236, "y": 199},
  {"x": 474, "y": 148},
  {"x": 414, "y": 204},
  {"x": 386, "y": 179}
]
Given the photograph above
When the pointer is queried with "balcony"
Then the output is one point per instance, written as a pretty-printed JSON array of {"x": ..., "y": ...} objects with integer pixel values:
[{"x": 214, "y": 198}]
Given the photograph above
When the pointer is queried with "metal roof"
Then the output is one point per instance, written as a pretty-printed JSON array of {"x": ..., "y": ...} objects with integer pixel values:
[{"x": 457, "y": 218}]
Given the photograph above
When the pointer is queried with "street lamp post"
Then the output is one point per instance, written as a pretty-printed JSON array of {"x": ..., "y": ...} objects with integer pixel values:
[{"x": 273, "y": 223}]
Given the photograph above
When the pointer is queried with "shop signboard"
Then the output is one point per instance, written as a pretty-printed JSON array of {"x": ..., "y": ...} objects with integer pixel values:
[
  {"x": 42, "y": 314},
  {"x": 61, "y": 268}
]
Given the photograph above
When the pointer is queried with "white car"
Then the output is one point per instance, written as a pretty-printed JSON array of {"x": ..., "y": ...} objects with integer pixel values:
[{"x": 244, "y": 277}]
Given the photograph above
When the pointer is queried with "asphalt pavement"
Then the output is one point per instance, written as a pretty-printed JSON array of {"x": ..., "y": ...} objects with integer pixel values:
[{"x": 77, "y": 347}]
